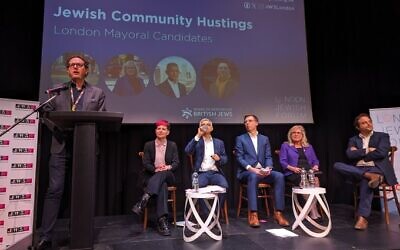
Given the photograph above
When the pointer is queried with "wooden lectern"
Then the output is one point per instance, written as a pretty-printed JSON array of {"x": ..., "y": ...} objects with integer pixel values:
[{"x": 85, "y": 125}]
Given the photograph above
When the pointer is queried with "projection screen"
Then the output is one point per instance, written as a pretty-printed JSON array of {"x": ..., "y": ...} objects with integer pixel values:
[{"x": 185, "y": 60}]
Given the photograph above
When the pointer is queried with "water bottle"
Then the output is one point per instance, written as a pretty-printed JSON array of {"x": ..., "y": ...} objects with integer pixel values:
[
  {"x": 303, "y": 178},
  {"x": 195, "y": 181},
  {"x": 311, "y": 178}
]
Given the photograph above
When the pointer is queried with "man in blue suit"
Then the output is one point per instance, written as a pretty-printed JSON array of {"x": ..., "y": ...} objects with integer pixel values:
[
  {"x": 209, "y": 156},
  {"x": 253, "y": 152},
  {"x": 369, "y": 153}
]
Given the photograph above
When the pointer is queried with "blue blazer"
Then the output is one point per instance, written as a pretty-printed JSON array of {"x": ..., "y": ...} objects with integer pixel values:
[
  {"x": 380, "y": 156},
  {"x": 196, "y": 148},
  {"x": 246, "y": 154},
  {"x": 288, "y": 155}
]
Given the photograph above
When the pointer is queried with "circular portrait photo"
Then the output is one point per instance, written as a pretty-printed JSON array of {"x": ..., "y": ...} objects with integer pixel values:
[
  {"x": 59, "y": 71},
  {"x": 220, "y": 78},
  {"x": 175, "y": 76},
  {"x": 126, "y": 75}
]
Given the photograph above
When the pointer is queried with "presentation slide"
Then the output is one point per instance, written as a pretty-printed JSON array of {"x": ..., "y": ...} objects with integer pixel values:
[{"x": 185, "y": 60}]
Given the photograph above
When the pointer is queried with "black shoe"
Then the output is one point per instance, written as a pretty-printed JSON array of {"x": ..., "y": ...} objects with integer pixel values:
[
  {"x": 137, "y": 208},
  {"x": 163, "y": 226},
  {"x": 43, "y": 244},
  {"x": 140, "y": 205}
]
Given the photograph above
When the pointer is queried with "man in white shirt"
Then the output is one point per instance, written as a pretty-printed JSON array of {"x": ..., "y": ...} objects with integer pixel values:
[
  {"x": 253, "y": 153},
  {"x": 369, "y": 153},
  {"x": 171, "y": 86},
  {"x": 209, "y": 156}
]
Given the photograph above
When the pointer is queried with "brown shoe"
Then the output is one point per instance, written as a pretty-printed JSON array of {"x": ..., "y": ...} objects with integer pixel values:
[
  {"x": 253, "y": 219},
  {"x": 374, "y": 179},
  {"x": 361, "y": 223},
  {"x": 280, "y": 219}
]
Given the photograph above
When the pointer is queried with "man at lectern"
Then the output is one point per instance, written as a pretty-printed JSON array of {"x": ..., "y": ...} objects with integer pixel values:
[{"x": 77, "y": 95}]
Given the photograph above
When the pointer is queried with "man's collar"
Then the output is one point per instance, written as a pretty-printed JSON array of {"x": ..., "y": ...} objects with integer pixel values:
[
  {"x": 171, "y": 82},
  {"x": 363, "y": 137},
  {"x": 255, "y": 134},
  {"x": 207, "y": 139}
]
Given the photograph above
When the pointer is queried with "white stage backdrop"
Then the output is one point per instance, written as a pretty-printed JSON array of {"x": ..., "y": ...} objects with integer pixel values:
[
  {"x": 18, "y": 151},
  {"x": 388, "y": 120}
]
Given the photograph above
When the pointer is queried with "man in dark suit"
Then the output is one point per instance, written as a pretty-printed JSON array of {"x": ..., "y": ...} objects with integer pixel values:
[
  {"x": 79, "y": 96},
  {"x": 171, "y": 86},
  {"x": 253, "y": 152},
  {"x": 209, "y": 156},
  {"x": 160, "y": 160},
  {"x": 369, "y": 153}
]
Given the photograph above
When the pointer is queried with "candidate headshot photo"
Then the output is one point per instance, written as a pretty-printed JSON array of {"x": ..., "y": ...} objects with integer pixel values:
[
  {"x": 126, "y": 75},
  {"x": 220, "y": 78},
  {"x": 175, "y": 77}
]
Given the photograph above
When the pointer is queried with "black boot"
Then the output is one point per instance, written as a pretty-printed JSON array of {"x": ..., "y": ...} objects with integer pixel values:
[
  {"x": 43, "y": 245},
  {"x": 163, "y": 226},
  {"x": 140, "y": 205}
]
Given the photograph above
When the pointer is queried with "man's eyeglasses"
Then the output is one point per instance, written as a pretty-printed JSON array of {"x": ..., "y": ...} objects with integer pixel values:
[
  {"x": 76, "y": 65},
  {"x": 249, "y": 120}
]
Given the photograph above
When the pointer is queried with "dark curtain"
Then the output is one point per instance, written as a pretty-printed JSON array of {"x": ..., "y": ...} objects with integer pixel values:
[{"x": 353, "y": 54}]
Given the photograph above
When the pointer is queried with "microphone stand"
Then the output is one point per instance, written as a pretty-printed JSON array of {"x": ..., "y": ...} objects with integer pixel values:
[{"x": 35, "y": 110}]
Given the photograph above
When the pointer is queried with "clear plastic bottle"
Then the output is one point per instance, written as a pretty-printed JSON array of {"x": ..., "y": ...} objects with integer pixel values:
[
  {"x": 303, "y": 178},
  {"x": 195, "y": 181},
  {"x": 311, "y": 178}
]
